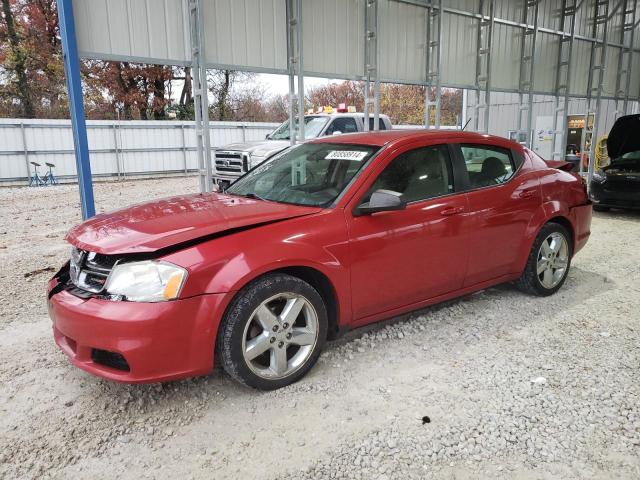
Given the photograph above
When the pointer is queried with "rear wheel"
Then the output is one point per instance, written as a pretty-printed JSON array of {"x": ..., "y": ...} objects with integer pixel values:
[
  {"x": 599, "y": 208},
  {"x": 273, "y": 332},
  {"x": 549, "y": 261}
]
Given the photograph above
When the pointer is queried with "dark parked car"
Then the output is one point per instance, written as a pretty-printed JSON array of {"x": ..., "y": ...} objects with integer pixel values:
[{"x": 618, "y": 184}]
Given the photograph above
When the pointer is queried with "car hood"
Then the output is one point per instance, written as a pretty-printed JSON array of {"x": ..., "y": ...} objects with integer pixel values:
[
  {"x": 624, "y": 136},
  {"x": 161, "y": 224},
  {"x": 262, "y": 148}
]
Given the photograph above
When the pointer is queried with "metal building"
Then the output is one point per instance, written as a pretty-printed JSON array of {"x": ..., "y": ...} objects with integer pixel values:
[{"x": 534, "y": 51}]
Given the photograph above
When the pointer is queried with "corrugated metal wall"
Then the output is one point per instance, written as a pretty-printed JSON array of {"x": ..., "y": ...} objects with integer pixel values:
[
  {"x": 153, "y": 30},
  {"x": 246, "y": 34},
  {"x": 333, "y": 37},
  {"x": 251, "y": 35},
  {"x": 402, "y": 35},
  {"x": 126, "y": 148},
  {"x": 505, "y": 107},
  {"x": 459, "y": 40}
]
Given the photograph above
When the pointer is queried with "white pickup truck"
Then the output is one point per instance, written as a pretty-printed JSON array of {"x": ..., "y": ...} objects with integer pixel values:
[{"x": 235, "y": 159}]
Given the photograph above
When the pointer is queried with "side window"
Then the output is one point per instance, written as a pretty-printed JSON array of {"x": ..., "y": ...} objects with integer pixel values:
[
  {"x": 372, "y": 123},
  {"x": 487, "y": 165},
  {"x": 343, "y": 125},
  {"x": 418, "y": 174}
]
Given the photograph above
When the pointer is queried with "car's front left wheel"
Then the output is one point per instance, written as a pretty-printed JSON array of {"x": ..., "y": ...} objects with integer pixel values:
[{"x": 272, "y": 332}]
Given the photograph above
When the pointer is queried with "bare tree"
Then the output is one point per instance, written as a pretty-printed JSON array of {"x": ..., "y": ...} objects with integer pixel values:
[
  {"x": 221, "y": 83},
  {"x": 17, "y": 63}
]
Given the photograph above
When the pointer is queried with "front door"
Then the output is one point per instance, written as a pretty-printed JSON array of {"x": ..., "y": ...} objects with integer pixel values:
[{"x": 403, "y": 257}]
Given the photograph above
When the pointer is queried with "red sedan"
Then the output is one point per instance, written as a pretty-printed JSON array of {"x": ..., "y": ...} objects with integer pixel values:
[{"x": 327, "y": 236}]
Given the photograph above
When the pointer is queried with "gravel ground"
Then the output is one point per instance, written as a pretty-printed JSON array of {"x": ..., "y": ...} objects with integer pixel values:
[{"x": 497, "y": 384}]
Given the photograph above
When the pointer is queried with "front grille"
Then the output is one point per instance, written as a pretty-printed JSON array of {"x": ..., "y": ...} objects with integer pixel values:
[
  {"x": 109, "y": 359},
  {"x": 232, "y": 162},
  {"x": 622, "y": 185},
  {"x": 89, "y": 270}
]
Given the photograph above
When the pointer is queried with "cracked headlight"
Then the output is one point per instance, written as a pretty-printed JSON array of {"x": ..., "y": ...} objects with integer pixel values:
[{"x": 147, "y": 281}]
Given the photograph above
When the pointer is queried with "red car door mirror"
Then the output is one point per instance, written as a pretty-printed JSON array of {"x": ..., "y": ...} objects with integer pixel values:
[{"x": 381, "y": 201}]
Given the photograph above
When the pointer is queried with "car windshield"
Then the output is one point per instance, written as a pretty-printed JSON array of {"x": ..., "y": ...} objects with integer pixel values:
[
  {"x": 628, "y": 163},
  {"x": 631, "y": 156},
  {"x": 312, "y": 128},
  {"x": 312, "y": 174}
]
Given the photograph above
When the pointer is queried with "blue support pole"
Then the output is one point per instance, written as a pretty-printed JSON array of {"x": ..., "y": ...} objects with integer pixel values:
[{"x": 76, "y": 105}]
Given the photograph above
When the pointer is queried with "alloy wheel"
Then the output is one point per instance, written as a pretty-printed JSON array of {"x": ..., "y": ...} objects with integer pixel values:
[
  {"x": 280, "y": 335},
  {"x": 553, "y": 259}
]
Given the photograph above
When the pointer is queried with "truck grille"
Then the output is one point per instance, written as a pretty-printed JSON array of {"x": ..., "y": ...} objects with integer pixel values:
[
  {"x": 232, "y": 162},
  {"x": 89, "y": 270}
]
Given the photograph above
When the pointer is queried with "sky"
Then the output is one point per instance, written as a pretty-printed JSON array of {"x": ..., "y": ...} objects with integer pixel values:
[
  {"x": 279, "y": 84},
  {"x": 274, "y": 84}
]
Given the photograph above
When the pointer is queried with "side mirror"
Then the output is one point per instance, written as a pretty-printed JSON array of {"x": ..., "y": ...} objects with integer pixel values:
[
  {"x": 381, "y": 201},
  {"x": 268, "y": 136},
  {"x": 337, "y": 132}
]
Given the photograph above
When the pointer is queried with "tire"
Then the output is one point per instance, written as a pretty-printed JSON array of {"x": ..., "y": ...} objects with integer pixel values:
[
  {"x": 274, "y": 314},
  {"x": 536, "y": 283},
  {"x": 599, "y": 208}
]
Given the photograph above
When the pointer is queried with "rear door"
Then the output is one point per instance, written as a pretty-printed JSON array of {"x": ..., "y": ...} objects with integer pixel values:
[
  {"x": 502, "y": 200},
  {"x": 403, "y": 257}
]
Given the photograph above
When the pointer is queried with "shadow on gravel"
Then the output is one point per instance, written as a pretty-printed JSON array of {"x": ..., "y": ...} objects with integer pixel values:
[
  {"x": 579, "y": 286},
  {"x": 615, "y": 214},
  {"x": 203, "y": 392}
]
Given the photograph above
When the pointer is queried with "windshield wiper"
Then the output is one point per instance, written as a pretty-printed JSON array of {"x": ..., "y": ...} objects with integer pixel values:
[{"x": 254, "y": 196}]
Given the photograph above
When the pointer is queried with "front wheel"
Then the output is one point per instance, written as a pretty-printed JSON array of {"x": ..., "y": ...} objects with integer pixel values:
[
  {"x": 273, "y": 332},
  {"x": 549, "y": 261}
]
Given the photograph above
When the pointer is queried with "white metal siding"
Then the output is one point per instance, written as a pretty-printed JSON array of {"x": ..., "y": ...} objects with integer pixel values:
[
  {"x": 584, "y": 20},
  {"x": 249, "y": 34},
  {"x": 579, "y": 71},
  {"x": 402, "y": 35},
  {"x": 462, "y": 5},
  {"x": 505, "y": 107},
  {"x": 505, "y": 56},
  {"x": 634, "y": 87},
  {"x": 459, "y": 40},
  {"x": 151, "y": 30},
  {"x": 545, "y": 62},
  {"x": 508, "y": 10},
  {"x": 610, "y": 72},
  {"x": 333, "y": 37},
  {"x": 142, "y": 147},
  {"x": 252, "y": 35}
]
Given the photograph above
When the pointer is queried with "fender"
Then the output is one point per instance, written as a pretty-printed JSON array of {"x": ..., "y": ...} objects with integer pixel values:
[
  {"x": 337, "y": 274},
  {"x": 244, "y": 256},
  {"x": 545, "y": 212}
]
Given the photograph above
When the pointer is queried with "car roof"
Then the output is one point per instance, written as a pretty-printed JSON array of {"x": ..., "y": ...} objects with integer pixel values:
[{"x": 382, "y": 138}]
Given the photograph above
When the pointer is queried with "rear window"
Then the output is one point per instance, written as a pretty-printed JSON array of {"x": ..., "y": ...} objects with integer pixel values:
[
  {"x": 372, "y": 124},
  {"x": 486, "y": 165}
]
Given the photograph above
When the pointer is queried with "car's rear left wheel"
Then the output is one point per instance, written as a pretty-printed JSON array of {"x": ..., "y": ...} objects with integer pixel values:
[
  {"x": 272, "y": 332},
  {"x": 549, "y": 261}
]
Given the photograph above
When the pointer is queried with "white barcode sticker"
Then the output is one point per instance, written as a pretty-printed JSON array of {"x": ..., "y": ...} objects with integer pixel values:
[{"x": 353, "y": 155}]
